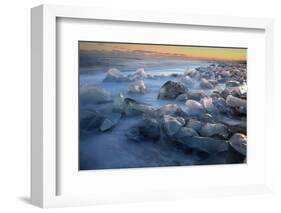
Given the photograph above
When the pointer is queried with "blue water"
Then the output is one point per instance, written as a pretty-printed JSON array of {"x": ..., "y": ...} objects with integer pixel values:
[
  {"x": 92, "y": 77},
  {"x": 108, "y": 150}
]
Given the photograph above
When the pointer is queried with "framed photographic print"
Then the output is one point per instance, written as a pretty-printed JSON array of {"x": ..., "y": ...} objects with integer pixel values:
[{"x": 130, "y": 106}]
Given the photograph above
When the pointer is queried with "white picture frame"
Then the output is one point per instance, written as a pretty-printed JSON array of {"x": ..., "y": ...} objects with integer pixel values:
[{"x": 44, "y": 149}]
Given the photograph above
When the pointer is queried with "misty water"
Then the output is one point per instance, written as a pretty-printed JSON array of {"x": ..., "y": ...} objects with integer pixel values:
[{"x": 112, "y": 149}]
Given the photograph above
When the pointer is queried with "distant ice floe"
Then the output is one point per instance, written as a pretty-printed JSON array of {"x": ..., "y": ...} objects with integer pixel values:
[
  {"x": 114, "y": 75},
  {"x": 141, "y": 73}
]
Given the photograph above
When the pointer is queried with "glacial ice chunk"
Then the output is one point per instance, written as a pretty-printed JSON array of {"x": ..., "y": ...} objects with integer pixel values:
[{"x": 94, "y": 94}]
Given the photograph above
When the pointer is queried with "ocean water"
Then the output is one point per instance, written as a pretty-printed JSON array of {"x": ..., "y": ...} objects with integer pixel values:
[
  {"x": 92, "y": 76},
  {"x": 111, "y": 149}
]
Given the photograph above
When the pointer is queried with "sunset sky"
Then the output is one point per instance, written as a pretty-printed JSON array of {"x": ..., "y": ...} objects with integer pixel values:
[{"x": 190, "y": 52}]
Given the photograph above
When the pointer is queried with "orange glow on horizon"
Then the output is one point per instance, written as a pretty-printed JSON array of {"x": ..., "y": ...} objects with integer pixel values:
[{"x": 191, "y": 52}]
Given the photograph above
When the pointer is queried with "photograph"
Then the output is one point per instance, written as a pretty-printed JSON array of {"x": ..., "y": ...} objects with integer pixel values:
[{"x": 161, "y": 105}]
